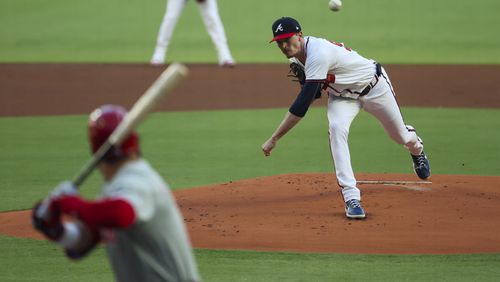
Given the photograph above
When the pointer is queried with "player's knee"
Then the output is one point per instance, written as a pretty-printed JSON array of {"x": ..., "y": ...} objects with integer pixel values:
[
  {"x": 338, "y": 129},
  {"x": 171, "y": 18},
  {"x": 209, "y": 21}
]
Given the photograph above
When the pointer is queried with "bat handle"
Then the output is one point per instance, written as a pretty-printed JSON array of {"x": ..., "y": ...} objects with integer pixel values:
[{"x": 91, "y": 164}]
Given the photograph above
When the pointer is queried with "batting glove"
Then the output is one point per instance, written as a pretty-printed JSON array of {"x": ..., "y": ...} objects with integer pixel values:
[
  {"x": 50, "y": 225},
  {"x": 65, "y": 188}
]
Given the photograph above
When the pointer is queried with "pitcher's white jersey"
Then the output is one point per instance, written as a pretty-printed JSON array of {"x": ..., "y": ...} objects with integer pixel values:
[
  {"x": 156, "y": 247},
  {"x": 352, "y": 71}
]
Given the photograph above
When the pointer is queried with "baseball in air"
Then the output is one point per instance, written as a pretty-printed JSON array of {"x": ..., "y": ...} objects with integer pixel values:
[{"x": 335, "y": 5}]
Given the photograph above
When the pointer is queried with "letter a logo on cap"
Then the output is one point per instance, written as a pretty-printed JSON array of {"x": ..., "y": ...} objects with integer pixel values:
[
  {"x": 284, "y": 28},
  {"x": 280, "y": 28}
]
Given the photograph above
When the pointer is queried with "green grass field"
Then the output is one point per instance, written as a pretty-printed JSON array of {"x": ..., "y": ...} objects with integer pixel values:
[
  {"x": 251, "y": 266},
  {"x": 391, "y": 31},
  {"x": 227, "y": 147},
  {"x": 38, "y": 152}
]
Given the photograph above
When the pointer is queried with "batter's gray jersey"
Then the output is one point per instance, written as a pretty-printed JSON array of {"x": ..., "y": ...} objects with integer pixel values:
[{"x": 156, "y": 247}]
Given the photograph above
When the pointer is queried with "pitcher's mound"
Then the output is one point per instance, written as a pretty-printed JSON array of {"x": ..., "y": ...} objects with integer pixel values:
[{"x": 305, "y": 213}]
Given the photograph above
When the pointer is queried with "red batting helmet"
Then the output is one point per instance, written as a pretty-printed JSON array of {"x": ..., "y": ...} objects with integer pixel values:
[{"x": 102, "y": 122}]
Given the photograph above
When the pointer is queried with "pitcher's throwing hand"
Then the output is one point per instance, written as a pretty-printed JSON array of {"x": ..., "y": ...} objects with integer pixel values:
[{"x": 268, "y": 146}]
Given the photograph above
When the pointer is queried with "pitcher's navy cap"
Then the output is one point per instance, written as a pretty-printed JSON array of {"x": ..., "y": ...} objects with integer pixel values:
[{"x": 285, "y": 27}]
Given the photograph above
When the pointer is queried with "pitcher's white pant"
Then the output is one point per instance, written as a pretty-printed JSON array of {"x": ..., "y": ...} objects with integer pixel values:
[
  {"x": 381, "y": 103},
  {"x": 210, "y": 14}
]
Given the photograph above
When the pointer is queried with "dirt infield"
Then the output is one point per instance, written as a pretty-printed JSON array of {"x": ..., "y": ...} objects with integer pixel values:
[
  {"x": 41, "y": 89},
  {"x": 298, "y": 212}
]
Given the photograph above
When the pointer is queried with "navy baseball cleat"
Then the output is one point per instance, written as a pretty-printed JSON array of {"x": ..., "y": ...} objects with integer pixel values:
[
  {"x": 353, "y": 209},
  {"x": 421, "y": 166}
]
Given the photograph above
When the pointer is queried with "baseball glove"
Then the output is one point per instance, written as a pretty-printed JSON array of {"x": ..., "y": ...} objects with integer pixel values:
[{"x": 297, "y": 72}]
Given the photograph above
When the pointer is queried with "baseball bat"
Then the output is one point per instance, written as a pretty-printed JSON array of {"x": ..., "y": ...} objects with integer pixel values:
[{"x": 160, "y": 88}]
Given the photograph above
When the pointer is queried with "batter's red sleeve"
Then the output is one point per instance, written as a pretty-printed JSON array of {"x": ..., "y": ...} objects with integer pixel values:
[{"x": 110, "y": 213}]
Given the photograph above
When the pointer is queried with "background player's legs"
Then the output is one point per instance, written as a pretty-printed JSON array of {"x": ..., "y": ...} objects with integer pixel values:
[
  {"x": 381, "y": 103},
  {"x": 341, "y": 113},
  {"x": 173, "y": 11},
  {"x": 210, "y": 14}
]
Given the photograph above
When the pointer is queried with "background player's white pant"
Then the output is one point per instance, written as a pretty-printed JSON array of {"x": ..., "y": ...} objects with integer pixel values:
[
  {"x": 210, "y": 14},
  {"x": 381, "y": 103}
]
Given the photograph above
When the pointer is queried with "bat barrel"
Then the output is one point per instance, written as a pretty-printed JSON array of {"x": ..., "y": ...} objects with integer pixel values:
[{"x": 160, "y": 88}]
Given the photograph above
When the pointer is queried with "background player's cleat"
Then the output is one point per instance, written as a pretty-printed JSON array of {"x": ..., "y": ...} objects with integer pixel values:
[
  {"x": 227, "y": 64},
  {"x": 421, "y": 166},
  {"x": 353, "y": 209},
  {"x": 156, "y": 62},
  {"x": 158, "y": 58}
]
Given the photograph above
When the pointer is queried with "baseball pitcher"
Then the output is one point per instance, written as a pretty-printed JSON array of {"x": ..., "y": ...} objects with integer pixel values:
[
  {"x": 136, "y": 216},
  {"x": 352, "y": 83}
]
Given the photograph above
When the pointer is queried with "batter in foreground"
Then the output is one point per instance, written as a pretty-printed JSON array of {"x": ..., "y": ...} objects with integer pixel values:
[
  {"x": 352, "y": 83},
  {"x": 136, "y": 216}
]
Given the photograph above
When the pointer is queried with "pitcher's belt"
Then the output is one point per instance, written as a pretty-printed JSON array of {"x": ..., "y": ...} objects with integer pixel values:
[{"x": 378, "y": 72}]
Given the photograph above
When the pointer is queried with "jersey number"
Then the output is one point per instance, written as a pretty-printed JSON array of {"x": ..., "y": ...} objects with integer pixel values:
[{"x": 341, "y": 45}]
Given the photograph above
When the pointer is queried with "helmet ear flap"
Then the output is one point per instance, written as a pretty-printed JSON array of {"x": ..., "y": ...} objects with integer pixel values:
[{"x": 114, "y": 155}]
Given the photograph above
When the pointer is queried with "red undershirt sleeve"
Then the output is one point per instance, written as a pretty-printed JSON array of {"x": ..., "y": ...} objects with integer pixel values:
[{"x": 110, "y": 213}]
